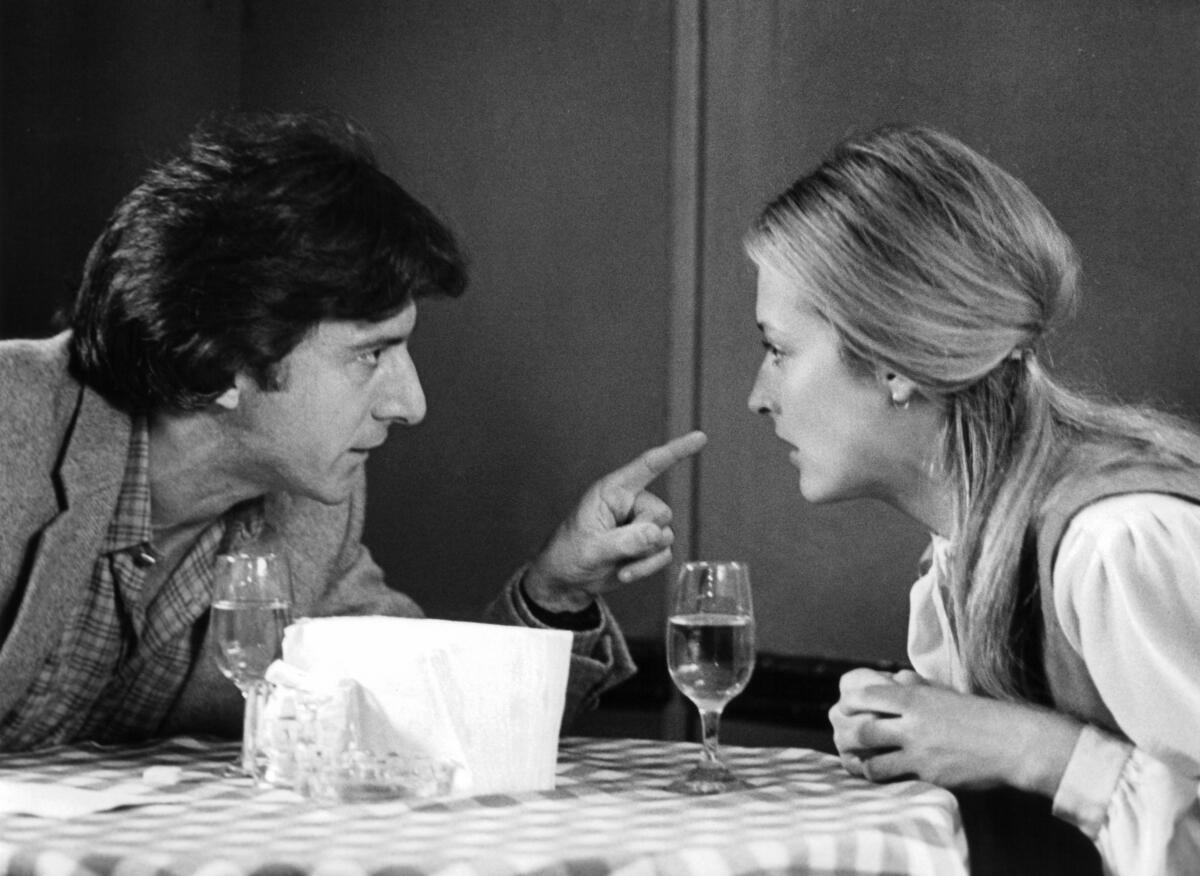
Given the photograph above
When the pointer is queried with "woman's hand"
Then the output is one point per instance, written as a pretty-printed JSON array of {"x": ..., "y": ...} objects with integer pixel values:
[
  {"x": 890, "y": 727},
  {"x": 847, "y": 724}
]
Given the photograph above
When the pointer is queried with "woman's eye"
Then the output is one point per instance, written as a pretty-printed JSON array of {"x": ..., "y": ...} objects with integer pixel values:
[{"x": 773, "y": 352}]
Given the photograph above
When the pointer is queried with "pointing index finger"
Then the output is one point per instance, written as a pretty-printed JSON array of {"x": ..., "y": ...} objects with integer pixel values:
[{"x": 638, "y": 474}]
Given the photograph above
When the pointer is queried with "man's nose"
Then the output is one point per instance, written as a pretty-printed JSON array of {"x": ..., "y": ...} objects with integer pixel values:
[{"x": 401, "y": 396}]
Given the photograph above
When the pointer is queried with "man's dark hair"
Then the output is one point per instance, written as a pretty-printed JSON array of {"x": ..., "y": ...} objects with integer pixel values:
[{"x": 226, "y": 256}]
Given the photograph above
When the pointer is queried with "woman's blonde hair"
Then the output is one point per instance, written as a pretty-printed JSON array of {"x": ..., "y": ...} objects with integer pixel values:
[{"x": 932, "y": 262}]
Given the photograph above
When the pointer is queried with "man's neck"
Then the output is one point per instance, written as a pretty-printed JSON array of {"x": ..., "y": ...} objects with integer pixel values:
[{"x": 192, "y": 475}]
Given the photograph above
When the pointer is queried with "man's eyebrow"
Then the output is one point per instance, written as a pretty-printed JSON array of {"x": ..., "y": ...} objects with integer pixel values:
[{"x": 379, "y": 339}]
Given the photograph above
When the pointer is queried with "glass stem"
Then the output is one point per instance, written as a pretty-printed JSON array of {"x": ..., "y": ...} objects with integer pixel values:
[
  {"x": 710, "y": 726},
  {"x": 254, "y": 694}
]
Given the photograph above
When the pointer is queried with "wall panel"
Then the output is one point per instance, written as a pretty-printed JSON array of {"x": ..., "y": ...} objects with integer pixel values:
[
  {"x": 1096, "y": 105},
  {"x": 540, "y": 131},
  {"x": 545, "y": 133}
]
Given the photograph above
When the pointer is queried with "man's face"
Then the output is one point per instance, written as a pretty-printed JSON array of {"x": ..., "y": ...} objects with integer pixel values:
[{"x": 341, "y": 388}]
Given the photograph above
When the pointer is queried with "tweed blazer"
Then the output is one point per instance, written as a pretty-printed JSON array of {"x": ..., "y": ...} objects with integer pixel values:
[{"x": 63, "y": 456}]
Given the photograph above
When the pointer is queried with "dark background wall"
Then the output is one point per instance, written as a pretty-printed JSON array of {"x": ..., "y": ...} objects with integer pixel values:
[
  {"x": 600, "y": 161},
  {"x": 90, "y": 93},
  {"x": 540, "y": 132},
  {"x": 1095, "y": 104}
]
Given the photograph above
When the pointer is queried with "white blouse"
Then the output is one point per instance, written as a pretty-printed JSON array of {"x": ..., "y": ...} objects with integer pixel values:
[{"x": 1127, "y": 596}]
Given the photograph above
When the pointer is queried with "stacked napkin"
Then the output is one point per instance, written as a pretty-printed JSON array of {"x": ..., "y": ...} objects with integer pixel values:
[{"x": 380, "y": 706}]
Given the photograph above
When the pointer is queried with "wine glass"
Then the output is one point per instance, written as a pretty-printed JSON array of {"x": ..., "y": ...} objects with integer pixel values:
[
  {"x": 252, "y": 603},
  {"x": 710, "y": 653}
]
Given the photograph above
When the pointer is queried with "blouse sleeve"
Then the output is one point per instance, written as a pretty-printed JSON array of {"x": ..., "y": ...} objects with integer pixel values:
[{"x": 1127, "y": 596}]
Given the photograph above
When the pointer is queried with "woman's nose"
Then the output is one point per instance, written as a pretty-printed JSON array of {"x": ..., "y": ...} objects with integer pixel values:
[{"x": 759, "y": 400}]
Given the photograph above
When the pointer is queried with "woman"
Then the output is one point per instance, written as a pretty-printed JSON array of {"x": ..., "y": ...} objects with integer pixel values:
[{"x": 904, "y": 287}]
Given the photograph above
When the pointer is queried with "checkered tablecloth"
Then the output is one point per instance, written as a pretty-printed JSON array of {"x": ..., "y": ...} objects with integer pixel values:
[{"x": 608, "y": 814}]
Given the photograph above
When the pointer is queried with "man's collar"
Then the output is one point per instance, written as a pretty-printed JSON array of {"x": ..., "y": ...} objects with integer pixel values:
[{"x": 130, "y": 524}]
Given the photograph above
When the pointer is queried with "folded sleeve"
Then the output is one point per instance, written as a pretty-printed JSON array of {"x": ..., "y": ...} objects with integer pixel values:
[{"x": 1127, "y": 596}]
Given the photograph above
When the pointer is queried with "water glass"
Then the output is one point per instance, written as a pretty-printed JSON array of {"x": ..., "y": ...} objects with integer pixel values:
[
  {"x": 710, "y": 654},
  {"x": 252, "y": 603}
]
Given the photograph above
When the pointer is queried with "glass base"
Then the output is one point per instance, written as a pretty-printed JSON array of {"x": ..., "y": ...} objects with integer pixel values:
[{"x": 708, "y": 779}]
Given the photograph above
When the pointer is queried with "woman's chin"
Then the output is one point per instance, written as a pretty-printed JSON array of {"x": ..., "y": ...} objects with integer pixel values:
[
  {"x": 820, "y": 492},
  {"x": 812, "y": 492},
  {"x": 813, "y": 488}
]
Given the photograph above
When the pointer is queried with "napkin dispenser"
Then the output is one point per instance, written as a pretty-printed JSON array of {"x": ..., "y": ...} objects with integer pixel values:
[{"x": 365, "y": 707}]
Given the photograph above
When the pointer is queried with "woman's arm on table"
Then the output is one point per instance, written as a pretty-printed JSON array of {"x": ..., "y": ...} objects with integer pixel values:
[{"x": 1127, "y": 595}]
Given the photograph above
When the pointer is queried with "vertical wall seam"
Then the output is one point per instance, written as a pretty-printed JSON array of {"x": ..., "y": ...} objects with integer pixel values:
[
  {"x": 697, "y": 359},
  {"x": 684, "y": 307},
  {"x": 683, "y": 385}
]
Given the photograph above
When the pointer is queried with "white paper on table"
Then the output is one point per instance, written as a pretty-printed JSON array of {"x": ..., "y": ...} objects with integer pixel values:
[
  {"x": 491, "y": 695},
  {"x": 403, "y": 715},
  {"x": 62, "y": 801}
]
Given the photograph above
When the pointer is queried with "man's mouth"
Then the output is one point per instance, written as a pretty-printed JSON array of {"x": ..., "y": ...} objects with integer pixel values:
[{"x": 367, "y": 448}]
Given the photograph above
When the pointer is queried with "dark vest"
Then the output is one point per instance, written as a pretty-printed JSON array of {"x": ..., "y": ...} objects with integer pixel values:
[{"x": 1069, "y": 683}]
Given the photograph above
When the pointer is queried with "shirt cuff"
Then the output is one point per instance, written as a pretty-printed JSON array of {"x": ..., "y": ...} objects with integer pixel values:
[
  {"x": 1090, "y": 779},
  {"x": 512, "y": 608},
  {"x": 585, "y": 619}
]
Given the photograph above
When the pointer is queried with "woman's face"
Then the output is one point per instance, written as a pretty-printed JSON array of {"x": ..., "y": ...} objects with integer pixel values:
[{"x": 848, "y": 438}]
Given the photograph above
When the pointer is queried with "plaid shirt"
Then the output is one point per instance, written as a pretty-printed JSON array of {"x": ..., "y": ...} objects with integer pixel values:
[{"x": 120, "y": 663}]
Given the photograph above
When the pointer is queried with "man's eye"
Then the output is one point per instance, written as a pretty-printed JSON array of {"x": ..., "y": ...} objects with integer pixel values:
[{"x": 371, "y": 357}]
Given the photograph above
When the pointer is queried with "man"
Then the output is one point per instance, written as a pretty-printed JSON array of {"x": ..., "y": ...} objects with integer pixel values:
[{"x": 238, "y": 345}]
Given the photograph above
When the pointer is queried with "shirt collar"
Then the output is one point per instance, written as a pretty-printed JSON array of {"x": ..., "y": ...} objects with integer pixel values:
[
  {"x": 130, "y": 526},
  {"x": 130, "y": 523}
]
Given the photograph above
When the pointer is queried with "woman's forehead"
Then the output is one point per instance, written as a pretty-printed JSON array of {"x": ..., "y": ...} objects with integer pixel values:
[{"x": 784, "y": 298}]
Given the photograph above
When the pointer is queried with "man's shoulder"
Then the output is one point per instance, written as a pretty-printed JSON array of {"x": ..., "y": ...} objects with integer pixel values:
[
  {"x": 38, "y": 397},
  {"x": 46, "y": 351},
  {"x": 31, "y": 370}
]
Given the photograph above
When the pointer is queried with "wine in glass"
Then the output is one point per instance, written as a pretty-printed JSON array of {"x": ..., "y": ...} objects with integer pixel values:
[
  {"x": 710, "y": 653},
  {"x": 252, "y": 602}
]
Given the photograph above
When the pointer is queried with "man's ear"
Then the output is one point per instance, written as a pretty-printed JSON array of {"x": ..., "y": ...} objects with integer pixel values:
[
  {"x": 900, "y": 389},
  {"x": 229, "y": 398},
  {"x": 232, "y": 397}
]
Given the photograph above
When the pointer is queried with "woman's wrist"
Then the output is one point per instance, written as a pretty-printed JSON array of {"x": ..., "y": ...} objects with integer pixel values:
[{"x": 1047, "y": 741}]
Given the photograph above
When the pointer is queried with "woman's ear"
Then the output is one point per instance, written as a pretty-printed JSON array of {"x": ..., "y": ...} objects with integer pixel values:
[{"x": 900, "y": 389}]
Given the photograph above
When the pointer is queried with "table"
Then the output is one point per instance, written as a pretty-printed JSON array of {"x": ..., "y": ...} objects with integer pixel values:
[{"x": 608, "y": 814}]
